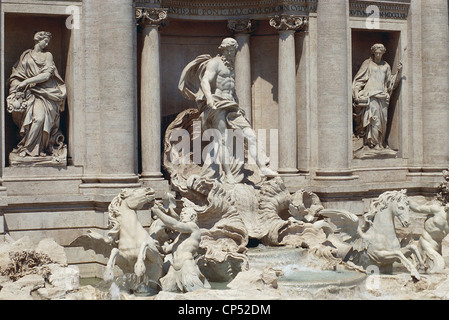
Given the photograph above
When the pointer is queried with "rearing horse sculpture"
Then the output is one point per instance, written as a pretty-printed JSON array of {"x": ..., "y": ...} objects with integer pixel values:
[
  {"x": 379, "y": 243},
  {"x": 129, "y": 239}
]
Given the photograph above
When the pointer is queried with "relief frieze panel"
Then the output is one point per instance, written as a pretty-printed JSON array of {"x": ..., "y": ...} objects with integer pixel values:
[
  {"x": 396, "y": 9},
  {"x": 233, "y": 8}
]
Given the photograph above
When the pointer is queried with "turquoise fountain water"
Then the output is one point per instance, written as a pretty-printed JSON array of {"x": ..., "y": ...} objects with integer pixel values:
[{"x": 301, "y": 269}]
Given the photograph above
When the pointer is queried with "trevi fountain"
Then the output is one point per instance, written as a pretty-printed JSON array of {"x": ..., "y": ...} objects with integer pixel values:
[{"x": 224, "y": 150}]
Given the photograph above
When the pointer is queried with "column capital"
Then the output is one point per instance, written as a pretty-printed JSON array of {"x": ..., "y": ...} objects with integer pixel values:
[
  {"x": 289, "y": 22},
  {"x": 242, "y": 25},
  {"x": 155, "y": 17}
]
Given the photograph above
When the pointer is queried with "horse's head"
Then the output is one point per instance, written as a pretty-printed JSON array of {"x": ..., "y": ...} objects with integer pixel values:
[
  {"x": 396, "y": 202},
  {"x": 134, "y": 199},
  {"x": 400, "y": 207},
  {"x": 137, "y": 198}
]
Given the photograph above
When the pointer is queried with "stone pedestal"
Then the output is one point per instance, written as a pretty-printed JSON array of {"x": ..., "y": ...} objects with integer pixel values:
[{"x": 287, "y": 26}]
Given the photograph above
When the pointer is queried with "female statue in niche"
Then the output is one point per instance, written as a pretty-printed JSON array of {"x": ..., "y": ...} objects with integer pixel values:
[
  {"x": 36, "y": 98},
  {"x": 372, "y": 89}
]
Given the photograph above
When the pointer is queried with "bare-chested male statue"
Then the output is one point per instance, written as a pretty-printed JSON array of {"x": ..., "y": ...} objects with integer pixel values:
[
  {"x": 210, "y": 81},
  {"x": 183, "y": 274},
  {"x": 436, "y": 228}
]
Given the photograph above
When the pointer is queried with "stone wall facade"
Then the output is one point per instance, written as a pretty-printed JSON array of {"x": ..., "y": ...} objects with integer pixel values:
[{"x": 122, "y": 72}]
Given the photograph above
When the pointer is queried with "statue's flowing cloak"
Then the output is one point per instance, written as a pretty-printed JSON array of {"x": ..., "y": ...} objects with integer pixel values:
[
  {"x": 49, "y": 96},
  {"x": 190, "y": 87},
  {"x": 375, "y": 115}
]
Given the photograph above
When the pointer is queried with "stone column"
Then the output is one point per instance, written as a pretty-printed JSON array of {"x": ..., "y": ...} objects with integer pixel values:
[
  {"x": 118, "y": 92},
  {"x": 287, "y": 26},
  {"x": 435, "y": 73},
  {"x": 414, "y": 71},
  {"x": 334, "y": 113},
  {"x": 242, "y": 32},
  {"x": 91, "y": 110},
  {"x": 150, "y": 102}
]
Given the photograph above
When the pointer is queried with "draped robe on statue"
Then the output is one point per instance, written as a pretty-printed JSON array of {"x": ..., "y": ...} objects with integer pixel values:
[
  {"x": 374, "y": 82},
  {"x": 225, "y": 108},
  {"x": 36, "y": 110},
  {"x": 190, "y": 87}
]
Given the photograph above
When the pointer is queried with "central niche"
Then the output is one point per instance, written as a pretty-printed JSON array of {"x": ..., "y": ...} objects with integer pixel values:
[{"x": 362, "y": 42}]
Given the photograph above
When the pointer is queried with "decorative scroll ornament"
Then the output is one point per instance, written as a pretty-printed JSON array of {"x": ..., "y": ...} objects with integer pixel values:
[
  {"x": 285, "y": 22},
  {"x": 155, "y": 17},
  {"x": 242, "y": 25}
]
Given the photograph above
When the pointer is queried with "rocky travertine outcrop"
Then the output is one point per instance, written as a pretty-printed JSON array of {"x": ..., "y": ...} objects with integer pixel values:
[{"x": 35, "y": 272}]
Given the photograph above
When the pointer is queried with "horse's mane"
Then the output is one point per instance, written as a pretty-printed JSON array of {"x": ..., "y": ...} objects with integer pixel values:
[
  {"x": 113, "y": 223},
  {"x": 383, "y": 201},
  {"x": 114, "y": 212}
]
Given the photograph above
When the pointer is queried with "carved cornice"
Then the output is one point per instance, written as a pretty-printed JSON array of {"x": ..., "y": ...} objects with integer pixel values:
[
  {"x": 289, "y": 22},
  {"x": 156, "y": 17},
  {"x": 242, "y": 25},
  {"x": 391, "y": 9},
  {"x": 262, "y": 9},
  {"x": 231, "y": 9}
]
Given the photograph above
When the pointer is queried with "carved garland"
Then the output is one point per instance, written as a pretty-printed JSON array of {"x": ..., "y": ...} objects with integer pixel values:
[
  {"x": 285, "y": 22},
  {"x": 156, "y": 17}
]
